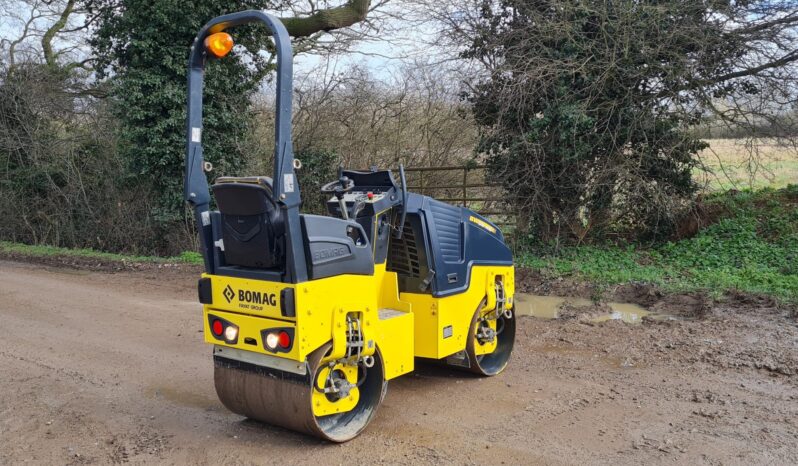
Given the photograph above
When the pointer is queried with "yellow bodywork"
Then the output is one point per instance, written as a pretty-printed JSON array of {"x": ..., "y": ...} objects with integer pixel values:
[
  {"x": 399, "y": 326},
  {"x": 442, "y": 324}
]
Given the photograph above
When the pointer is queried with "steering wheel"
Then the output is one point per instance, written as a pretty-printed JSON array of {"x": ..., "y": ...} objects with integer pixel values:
[{"x": 339, "y": 186}]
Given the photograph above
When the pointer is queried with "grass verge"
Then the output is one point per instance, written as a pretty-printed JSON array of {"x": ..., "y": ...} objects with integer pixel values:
[
  {"x": 188, "y": 257},
  {"x": 752, "y": 247}
]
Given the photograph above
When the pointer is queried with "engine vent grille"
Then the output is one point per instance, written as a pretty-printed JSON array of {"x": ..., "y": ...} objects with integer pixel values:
[
  {"x": 449, "y": 228},
  {"x": 403, "y": 258}
]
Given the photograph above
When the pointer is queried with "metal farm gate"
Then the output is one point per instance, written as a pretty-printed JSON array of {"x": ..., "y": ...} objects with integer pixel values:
[{"x": 463, "y": 185}]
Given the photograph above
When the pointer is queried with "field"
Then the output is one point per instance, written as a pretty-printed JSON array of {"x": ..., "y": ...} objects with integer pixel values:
[{"x": 736, "y": 164}]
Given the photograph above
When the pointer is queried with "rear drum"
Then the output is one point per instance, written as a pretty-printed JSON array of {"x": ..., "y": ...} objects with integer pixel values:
[
  {"x": 285, "y": 400},
  {"x": 492, "y": 363}
]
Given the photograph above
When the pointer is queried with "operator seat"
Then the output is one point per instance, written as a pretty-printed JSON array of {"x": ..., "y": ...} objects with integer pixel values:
[{"x": 252, "y": 223}]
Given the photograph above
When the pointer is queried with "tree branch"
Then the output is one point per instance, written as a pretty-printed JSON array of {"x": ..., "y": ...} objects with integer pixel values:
[
  {"x": 753, "y": 71},
  {"x": 789, "y": 20},
  {"x": 786, "y": 59},
  {"x": 354, "y": 11},
  {"x": 25, "y": 33}
]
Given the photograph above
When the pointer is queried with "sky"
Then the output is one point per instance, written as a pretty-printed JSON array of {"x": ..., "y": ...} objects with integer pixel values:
[{"x": 386, "y": 45}]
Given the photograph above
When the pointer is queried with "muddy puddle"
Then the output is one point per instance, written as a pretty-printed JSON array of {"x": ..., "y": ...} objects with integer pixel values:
[{"x": 550, "y": 307}]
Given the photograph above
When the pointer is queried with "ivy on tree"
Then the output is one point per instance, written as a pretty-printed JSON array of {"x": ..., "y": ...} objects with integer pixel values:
[
  {"x": 587, "y": 109},
  {"x": 142, "y": 47}
]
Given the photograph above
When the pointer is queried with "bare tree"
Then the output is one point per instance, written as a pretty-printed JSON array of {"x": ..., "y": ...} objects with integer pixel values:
[
  {"x": 415, "y": 117},
  {"x": 412, "y": 116},
  {"x": 45, "y": 31}
]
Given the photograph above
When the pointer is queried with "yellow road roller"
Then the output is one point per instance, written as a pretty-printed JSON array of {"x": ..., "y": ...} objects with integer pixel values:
[{"x": 310, "y": 316}]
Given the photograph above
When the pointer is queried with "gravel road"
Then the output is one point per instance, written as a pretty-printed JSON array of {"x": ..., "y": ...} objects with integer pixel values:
[{"x": 100, "y": 367}]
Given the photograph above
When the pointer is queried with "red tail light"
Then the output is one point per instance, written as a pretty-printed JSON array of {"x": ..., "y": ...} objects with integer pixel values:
[
  {"x": 284, "y": 339},
  {"x": 278, "y": 340},
  {"x": 217, "y": 328}
]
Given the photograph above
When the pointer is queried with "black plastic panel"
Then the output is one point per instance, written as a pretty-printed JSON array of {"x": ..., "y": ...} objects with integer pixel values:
[
  {"x": 287, "y": 302},
  {"x": 331, "y": 249},
  {"x": 205, "y": 291},
  {"x": 377, "y": 179}
]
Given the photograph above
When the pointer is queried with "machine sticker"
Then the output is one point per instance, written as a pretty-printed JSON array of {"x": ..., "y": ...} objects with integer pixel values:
[
  {"x": 196, "y": 134},
  {"x": 288, "y": 182},
  {"x": 448, "y": 331},
  {"x": 485, "y": 225},
  {"x": 253, "y": 300}
]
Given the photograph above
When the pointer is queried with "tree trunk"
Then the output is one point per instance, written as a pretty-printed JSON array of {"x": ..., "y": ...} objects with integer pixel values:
[{"x": 50, "y": 57}]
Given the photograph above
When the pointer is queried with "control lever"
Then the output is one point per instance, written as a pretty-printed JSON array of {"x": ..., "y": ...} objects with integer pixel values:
[
  {"x": 339, "y": 194},
  {"x": 338, "y": 188}
]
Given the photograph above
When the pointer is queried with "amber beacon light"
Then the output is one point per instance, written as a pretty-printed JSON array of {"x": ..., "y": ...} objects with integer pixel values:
[{"x": 219, "y": 44}]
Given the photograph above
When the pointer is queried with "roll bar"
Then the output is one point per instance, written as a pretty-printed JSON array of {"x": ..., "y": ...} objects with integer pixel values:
[{"x": 285, "y": 187}]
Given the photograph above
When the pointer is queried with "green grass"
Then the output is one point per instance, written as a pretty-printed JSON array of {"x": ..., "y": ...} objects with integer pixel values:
[
  {"x": 753, "y": 248},
  {"x": 188, "y": 257}
]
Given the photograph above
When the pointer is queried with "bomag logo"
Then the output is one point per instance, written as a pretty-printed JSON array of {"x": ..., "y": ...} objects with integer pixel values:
[
  {"x": 247, "y": 298},
  {"x": 256, "y": 297},
  {"x": 228, "y": 293},
  {"x": 330, "y": 253}
]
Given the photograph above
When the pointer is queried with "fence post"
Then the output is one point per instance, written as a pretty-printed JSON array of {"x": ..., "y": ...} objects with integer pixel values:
[{"x": 465, "y": 183}]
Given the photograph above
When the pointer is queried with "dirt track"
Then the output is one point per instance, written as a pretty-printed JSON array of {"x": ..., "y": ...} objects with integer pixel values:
[{"x": 101, "y": 368}]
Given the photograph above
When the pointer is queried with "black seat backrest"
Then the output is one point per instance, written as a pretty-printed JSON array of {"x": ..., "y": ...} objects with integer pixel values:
[{"x": 252, "y": 227}]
